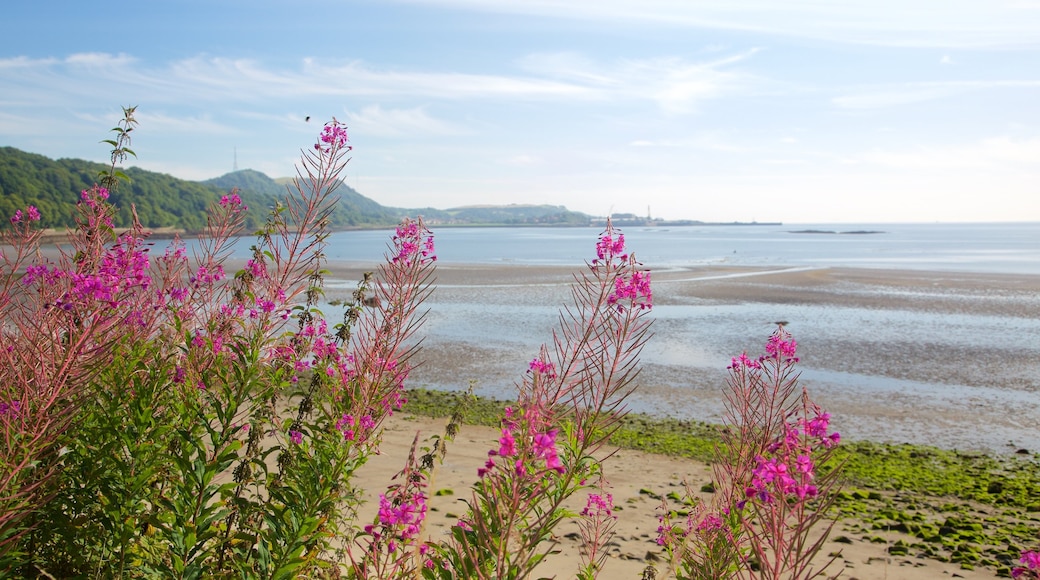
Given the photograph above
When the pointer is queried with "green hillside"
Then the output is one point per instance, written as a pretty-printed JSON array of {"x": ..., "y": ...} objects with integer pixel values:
[
  {"x": 352, "y": 209},
  {"x": 55, "y": 186},
  {"x": 163, "y": 201}
]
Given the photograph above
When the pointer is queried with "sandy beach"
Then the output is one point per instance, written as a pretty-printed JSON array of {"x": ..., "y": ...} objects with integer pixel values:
[
  {"x": 495, "y": 355},
  {"x": 629, "y": 472}
]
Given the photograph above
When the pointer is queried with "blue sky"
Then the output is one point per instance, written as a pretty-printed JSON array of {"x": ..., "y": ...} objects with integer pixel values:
[{"x": 719, "y": 110}]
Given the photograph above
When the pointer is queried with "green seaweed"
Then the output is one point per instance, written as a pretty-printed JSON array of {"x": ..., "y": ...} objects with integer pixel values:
[{"x": 971, "y": 509}]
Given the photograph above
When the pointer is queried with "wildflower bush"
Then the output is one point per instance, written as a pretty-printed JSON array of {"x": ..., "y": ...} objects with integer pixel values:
[
  {"x": 770, "y": 495},
  {"x": 165, "y": 416}
]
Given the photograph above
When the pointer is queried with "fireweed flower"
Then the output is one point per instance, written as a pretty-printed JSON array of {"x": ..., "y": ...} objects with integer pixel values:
[
  {"x": 506, "y": 444},
  {"x": 634, "y": 288},
  {"x": 232, "y": 201},
  {"x": 545, "y": 448},
  {"x": 402, "y": 511},
  {"x": 631, "y": 290},
  {"x": 333, "y": 138},
  {"x": 93, "y": 196},
  {"x": 1031, "y": 569},
  {"x": 610, "y": 247},
  {"x": 780, "y": 347},
  {"x": 257, "y": 269},
  {"x": 31, "y": 214},
  {"x": 413, "y": 242},
  {"x": 543, "y": 367},
  {"x": 743, "y": 362},
  {"x": 599, "y": 506},
  {"x": 10, "y": 410},
  {"x": 355, "y": 429}
]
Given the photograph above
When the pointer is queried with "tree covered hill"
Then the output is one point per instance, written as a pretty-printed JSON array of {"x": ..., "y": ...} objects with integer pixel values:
[{"x": 163, "y": 201}]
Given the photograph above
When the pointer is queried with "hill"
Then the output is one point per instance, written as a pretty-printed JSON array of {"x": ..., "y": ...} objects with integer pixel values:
[
  {"x": 352, "y": 210},
  {"x": 54, "y": 187},
  {"x": 163, "y": 201}
]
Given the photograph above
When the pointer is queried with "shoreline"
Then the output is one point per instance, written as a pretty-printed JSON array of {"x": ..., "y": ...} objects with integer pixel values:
[{"x": 895, "y": 356}]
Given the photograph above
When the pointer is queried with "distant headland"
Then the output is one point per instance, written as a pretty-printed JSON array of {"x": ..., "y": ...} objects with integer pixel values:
[{"x": 167, "y": 204}]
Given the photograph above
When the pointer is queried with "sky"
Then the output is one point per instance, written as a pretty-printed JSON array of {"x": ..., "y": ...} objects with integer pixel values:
[{"x": 850, "y": 111}]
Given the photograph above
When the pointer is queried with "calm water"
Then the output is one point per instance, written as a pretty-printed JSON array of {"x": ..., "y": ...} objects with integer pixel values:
[
  {"x": 914, "y": 388},
  {"x": 1009, "y": 248}
]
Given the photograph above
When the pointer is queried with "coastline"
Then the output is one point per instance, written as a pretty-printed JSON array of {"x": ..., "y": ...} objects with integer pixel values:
[
  {"x": 486, "y": 321},
  {"x": 896, "y": 356}
]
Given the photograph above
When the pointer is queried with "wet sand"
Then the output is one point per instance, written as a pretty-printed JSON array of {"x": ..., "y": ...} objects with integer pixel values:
[{"x": 900, "y": 356}]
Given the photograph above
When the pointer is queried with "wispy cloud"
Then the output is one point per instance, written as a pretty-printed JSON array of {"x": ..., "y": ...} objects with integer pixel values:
[
  {"x": 100, "y": 60},
  {"x": 923, "y": 23},
  {"x": 908, "y": 93},
  {"x": 675, "y": 84},
  {"x": 208, "y": 79},
  {"x": 377, "y": 121}
]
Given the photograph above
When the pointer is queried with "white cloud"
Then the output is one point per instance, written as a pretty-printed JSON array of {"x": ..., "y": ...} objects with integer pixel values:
[
  {"x": 21, "y": 62},
  {"x": 99, "y": 59},
  {"x": 922, "y": 23},
  {"x": 202, "y": 79},
  {"x": 192, "y": 124},
  {"x": 377, "y": 121},
  {"x": 675, "y": 84},
  {"x": 355, "y": 78}
]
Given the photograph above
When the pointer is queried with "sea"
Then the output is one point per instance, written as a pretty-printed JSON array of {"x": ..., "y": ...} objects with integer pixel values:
[
  {"x": 1012, "y": 248},
  {"x": 965, "y": 381}
]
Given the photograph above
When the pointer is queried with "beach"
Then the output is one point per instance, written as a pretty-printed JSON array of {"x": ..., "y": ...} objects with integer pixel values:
[
  {"x": 631, "y": 476},
  {"x": 936, "y": 358},
  {"x": 977, "y": 391},
  {"x": 900, "y": 356}
]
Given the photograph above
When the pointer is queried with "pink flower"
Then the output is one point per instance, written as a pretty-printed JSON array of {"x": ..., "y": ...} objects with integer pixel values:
[
  {"x": 610, "y": 247},
  {"x": 780, "y": 346},
  {"x": 10, "y": 409},
  {"x": 543, "y": 367},
  {"x": 744, "y": 362},
  {"x": 805, "y": 464},
  {"x": 232, "y": 201},
  {"x": 296, "y": 436},
  {"x": 488, "y": 466},
  {"x": 411, "y": 242},
  {"x": 506, "y": 444},
  {"x": 545, "y": 448},
  {"x": 333, "y": 137},
  {"x": 599, "y": 505}
]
